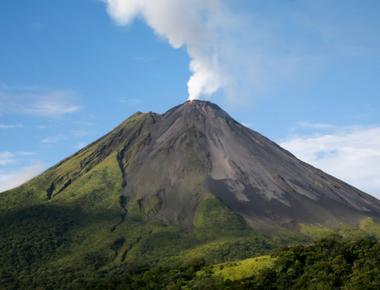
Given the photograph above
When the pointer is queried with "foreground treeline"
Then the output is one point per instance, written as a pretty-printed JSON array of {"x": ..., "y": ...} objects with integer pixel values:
[
  {"x": 331, "y": 263},
  {"x": 35, "y": 253}
]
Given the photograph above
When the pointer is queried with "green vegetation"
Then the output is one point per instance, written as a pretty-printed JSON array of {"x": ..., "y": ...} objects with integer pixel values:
[
  {"x": 316, "y": 232},
  {"x": 368, "y": 225},
  {"x": 242, "y": 269},
  {"x": 229, "y": 249},
  {"x": 55, "y": 246},
  {"x": 99, "y": 188},
  {"x": 66, "y": 247},
  {"x": 213, "y": 218},
  {"x": 331, "y": 263}
]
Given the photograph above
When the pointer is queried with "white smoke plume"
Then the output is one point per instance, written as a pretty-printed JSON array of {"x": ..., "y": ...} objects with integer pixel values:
[{"x": 195, "y": 25}]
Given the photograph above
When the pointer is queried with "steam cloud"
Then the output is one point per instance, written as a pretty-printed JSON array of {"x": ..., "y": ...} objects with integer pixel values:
[{"x": 196, "y": 25}]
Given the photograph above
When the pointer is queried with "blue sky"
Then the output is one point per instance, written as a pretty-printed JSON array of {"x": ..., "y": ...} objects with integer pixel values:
[{"x": 305, "y": 74}]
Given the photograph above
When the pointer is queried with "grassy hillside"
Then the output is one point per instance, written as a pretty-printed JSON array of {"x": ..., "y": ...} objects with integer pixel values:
[{"x": 243, "y": 269}]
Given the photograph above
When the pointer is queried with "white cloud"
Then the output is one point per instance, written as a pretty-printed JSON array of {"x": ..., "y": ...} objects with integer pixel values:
[
  {"x": 80, "y": 133},
  {"x": 54, "y": 139},
  {"x": 52, "y": 104},
  {"x": 25, "y": 153},
  {"x": 320, "y": 126},
  {"x": 13, "y": 179},
  {"x": 351, "y": 154},
  {"x": 37, "y": 101},
  {"x": 84, "y": 123},
  {"x": 6, "y": 158},
  {"x": 42, "y": 127},
  {"x": 10, "y": 126}
]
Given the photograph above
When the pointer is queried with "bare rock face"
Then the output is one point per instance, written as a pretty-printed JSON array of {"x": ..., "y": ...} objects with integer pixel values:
[{"x": 172, "y": 162}]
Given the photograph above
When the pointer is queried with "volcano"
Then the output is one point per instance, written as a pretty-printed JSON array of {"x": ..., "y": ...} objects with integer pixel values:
[
  {"x": 163, "y": 196},
  {"x": 164, "y": 167}
]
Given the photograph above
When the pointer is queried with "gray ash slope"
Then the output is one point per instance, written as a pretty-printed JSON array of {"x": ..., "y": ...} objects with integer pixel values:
[{"x": 197, "y": 149}]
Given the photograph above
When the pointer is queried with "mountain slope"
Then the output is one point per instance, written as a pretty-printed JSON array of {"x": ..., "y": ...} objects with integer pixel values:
[
  {"x": 181, "y": 190},
  {"x": 166, "y": 167}
]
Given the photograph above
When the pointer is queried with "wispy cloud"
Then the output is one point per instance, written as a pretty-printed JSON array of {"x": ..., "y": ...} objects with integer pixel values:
[
  {"x": 84, "y": 123},
  {"x": 37, "y": 101},
  {"x": 131, "y": 101},
  {"x": 11, "y": 179},
  {"x": 350, "y": 153},
  {"x": 310, "y": 128},
  {"x": 25, "y": 153},
  {"x": 54, "y": 139},
  {"x": 80, "y": 133},
  {"x": 6, "y": 158},
  {"x": 11, "y": 126},
  {"x": 41, "y": 127},
  {"x": 320, "y": 126}
]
